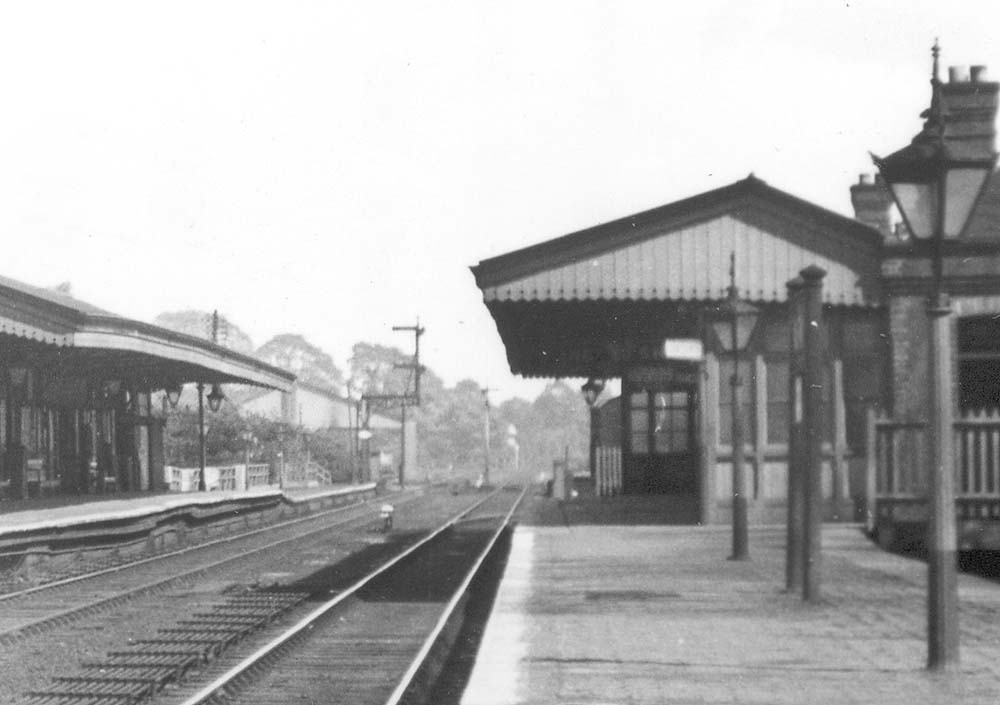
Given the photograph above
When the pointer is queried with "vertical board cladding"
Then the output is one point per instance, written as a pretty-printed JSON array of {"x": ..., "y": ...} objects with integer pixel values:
[
  {"x": 691, "y": 263},
  {"x": 774, "y": 483}
]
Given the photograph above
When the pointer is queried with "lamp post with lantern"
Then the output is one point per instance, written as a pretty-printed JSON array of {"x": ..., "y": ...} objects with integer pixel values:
[
  {"x": 734, "y": 324},
  {"x": 936, "y": 184},
  {"x": 215, "y": 399},
  {"x": 592, "y": 389}
]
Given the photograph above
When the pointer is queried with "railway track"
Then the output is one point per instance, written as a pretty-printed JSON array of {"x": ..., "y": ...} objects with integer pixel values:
[
  {"x": 30, "y": 611},
  {"x": 11, "y": 588},
  {"x": 363, "y": 635}
]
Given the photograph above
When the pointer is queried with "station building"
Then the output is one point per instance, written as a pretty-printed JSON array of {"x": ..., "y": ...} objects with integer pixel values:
[
  {"x": 75, "y": 392},
  {"x": 632, "y": 299},
  {"x": 617, "y": 300}
]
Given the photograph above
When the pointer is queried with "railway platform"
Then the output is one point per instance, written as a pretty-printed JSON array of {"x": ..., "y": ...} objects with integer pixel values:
[
  {"x": 64, "y": 511},
  {"x": 599, "y": 604},
  {"x": 43, "y": 530}
]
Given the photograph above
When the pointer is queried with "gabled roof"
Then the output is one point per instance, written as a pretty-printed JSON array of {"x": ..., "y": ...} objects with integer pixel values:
[{"x": 746, "y": 194}]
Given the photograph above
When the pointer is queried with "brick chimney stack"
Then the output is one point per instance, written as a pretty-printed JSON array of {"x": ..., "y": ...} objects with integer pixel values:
[
  {"x": 969, "y": 105},
  {"x": 873, "y": 203}
]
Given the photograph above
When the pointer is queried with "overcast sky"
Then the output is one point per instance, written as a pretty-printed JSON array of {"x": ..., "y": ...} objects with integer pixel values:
[{"x": 334, "y": 168}]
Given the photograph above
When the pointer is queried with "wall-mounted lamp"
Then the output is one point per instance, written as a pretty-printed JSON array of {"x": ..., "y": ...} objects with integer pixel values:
[{"x": 592, "y": 389}]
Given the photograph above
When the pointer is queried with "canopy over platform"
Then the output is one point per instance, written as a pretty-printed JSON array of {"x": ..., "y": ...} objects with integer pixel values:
[
  {"x": 594, "y": 301},
  {"x": 78, "y": 342}
]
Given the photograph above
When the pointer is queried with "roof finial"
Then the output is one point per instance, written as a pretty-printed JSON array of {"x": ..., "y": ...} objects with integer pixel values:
[
  {"x": 935, "y": 119},
  {"x": 935, "y": 52}
]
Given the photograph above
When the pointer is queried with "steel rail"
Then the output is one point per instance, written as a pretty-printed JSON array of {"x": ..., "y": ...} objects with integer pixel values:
[
  {"x": 418, "y": 661},
  {"x": 213, "y": 688},
  {"x": 161, "y": 583},
  {"x": 187, "y": 549}
]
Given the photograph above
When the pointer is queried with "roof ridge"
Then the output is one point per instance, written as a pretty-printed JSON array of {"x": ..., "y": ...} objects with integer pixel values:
[{"x": 598, "y": 238}]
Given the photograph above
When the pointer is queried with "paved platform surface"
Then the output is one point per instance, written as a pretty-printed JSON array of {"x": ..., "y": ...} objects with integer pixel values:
[{"x": 606, "y": 613}]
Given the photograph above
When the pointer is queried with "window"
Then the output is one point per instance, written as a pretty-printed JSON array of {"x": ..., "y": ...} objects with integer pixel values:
[
  {"x": 639, "y": 422},
  {"x": 778, "y": 413},
  {"x": 659, "y": 422},
  {"x": 978, "y": 363},
  {"x": 864, "y": 376},
  {"x": 670, "y": 432}
]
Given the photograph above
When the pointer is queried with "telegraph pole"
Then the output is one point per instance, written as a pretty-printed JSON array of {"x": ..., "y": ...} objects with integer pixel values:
[
  {"x": 486, "y": 435},
  {"x": 407, "y": 398}
]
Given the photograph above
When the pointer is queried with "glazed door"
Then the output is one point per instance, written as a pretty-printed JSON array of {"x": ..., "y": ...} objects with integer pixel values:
[{"x": 662, "y": 442}]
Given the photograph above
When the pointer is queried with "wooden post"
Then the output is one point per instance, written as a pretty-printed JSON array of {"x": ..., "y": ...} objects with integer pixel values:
[
  {"x": 839, "y": 475},
  {"x": 402, "y": 447},
  {"x": 708, "y": 394},
  {"x": 795, "y": 523},
  {"x": 812, "y": 436},
  {"x": 594, "y": 429},
  {"x": 741, "y": 549},
  {"x": 246, "y": 465},
  {"x": 871, "y": 470},
  {"x": 760, "y": 439}
]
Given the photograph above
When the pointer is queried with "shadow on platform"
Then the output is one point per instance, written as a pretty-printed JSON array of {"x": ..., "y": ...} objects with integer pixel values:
[{"x": 631, "y": 510}]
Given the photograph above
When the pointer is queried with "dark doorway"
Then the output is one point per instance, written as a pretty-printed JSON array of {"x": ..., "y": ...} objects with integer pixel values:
[
  {"x": 660, "y": 441},
  {"x": 979, "y": 363}
]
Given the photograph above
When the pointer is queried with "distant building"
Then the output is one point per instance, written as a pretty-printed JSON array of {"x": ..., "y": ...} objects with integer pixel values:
[{"x": 312, "y": 407}]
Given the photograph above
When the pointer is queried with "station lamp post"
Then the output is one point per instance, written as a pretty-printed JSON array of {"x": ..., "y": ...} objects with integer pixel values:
[
  {"x": 733, "y": 326},
  {"x": 936, "y": 188},
  {"x": 201, "y": 437},
  {"x": 592, "y": 389},
  {"x": 248, "y": 440},
  {"x": 215, "y": 398}
]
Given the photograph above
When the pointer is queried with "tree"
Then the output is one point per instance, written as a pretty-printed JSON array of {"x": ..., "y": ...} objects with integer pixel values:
[
  {"x": 373, "y": 370},
  {"x": 199, "y": 325},
  {"x": 311, "y": 364}
]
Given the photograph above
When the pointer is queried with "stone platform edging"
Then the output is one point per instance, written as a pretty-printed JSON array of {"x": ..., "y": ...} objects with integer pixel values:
[{"x": 132, "y": 527}]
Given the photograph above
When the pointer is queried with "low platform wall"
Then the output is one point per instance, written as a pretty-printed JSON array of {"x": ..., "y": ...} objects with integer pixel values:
[
  {"x": 86, "y": 533},
  {"x": 901, "y": 524}
]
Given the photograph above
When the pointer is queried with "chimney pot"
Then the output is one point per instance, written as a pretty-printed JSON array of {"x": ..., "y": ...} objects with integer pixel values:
[
  {"x": 865, "y": 179},
  {"x": 978, "y": 74},
  {"x": 958, "y": 74}
]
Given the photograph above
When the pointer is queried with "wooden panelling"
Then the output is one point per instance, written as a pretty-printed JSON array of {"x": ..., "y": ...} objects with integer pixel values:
[{"x": 693, "y": 263}]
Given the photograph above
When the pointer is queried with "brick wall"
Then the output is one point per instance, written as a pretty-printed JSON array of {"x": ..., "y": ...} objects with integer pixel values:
[
  {"x": 909, "y": 333},
  {"x": 908, "y": 329}
]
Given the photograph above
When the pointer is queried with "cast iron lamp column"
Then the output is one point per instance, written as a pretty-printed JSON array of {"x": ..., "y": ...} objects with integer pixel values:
[
  {"x": 201, "y": 437},
  {"x": 733, "y": 331},
  {"x": 592, "y": 389},
  {"x": 936, "y": 190},
  {"x": 215, "y": 398}
]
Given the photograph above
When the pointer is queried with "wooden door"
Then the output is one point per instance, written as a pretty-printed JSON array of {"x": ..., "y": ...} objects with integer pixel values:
[{"x": 661, "y": 439}]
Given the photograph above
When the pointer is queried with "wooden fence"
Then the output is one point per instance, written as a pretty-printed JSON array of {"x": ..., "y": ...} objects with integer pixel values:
[
  {"x": 219, "y": 477},
  {"x": 609, "y": 471},
  {"x": 898, "y": 462}
]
